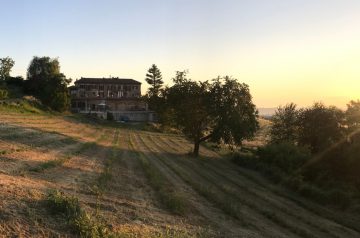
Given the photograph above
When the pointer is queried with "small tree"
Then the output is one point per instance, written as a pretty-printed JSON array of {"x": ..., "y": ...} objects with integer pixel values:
[
  {"x": 6, "y": 65},
  {"x": 221, "y": 111},
  {"x": 45, "y": 82},
  {"x": 154, "y": 78},
  {"x": 285, "y": 124}
]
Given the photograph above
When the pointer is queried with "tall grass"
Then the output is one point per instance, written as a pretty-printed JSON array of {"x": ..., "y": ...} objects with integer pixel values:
[{"x": 80, "y": 222}]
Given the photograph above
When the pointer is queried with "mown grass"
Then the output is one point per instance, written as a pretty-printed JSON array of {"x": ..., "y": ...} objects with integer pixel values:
[
  {"x": 60, "y": 161},
  {"x": 172, "y": 199},
  {"x": 49, "y": 164},
  {"x": 226, "y": 204},
  {"x": 226, "y": 197},
  {"x": 102, "y": 182}
]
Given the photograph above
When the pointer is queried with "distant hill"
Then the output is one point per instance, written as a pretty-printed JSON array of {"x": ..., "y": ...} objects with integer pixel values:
[{"x": 267, "y": 111}]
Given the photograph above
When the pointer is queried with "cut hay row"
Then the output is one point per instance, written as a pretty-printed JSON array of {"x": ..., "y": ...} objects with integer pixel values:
[{"x": 180, "y": 181}]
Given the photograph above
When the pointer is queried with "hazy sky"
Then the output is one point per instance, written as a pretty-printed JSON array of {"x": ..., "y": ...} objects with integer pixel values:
[{"x": 285, "y": 50}]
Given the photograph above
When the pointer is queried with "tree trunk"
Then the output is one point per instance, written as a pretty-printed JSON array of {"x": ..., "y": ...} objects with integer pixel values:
[
  {"x": 196, "y": 148},
  {"x": 197, "y": 144}
]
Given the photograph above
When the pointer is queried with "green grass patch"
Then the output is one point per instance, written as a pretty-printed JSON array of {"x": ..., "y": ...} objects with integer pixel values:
[{"x": 27, "y": 105}]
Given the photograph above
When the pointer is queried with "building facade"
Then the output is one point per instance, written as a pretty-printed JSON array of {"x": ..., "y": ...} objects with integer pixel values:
[{"x": 119, "y": 96}]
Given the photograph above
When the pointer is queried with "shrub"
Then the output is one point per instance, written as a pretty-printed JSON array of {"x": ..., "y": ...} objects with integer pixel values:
[
  {"x": 80, "y": 221},
  {"x": 3, "y": 94},
  {"x": 284, "y": 156}
]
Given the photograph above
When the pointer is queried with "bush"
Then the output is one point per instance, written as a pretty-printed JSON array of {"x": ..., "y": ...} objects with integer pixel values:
[
  {"x": 15, "y": 81},
  {"x": 80, "y": 221},
  {"x": 284, "y": 156},
  {"x": 3, "y": 94},
  {"x": 327, "y": 181}
]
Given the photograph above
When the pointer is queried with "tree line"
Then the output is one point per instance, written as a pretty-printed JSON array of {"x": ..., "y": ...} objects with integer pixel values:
[{"x": 317, "y": 127}]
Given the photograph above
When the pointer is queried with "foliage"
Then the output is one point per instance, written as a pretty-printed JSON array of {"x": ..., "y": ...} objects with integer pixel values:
[
  {"x": 80, "y": 221},
  {"x": 154, "y": 78},
  {"x": 320, "y": 126},
  {"x": 234, "y": 114},
  {"x": 285, "y": 156},
  {"x": 45, "y": 82},
  {"x": 339, "y": 164},
  {"x": 15, "y": 81},
  {"x": 6, "y": 65},
  {"x": 285, "y": 124},
  {"x": 14, "y": 85},
  {"x": 3, "y": 94},
  {"x": 352, "y": 115},
  {"x": 221, "y": 111},
  {"x": 25, "y": 105}
]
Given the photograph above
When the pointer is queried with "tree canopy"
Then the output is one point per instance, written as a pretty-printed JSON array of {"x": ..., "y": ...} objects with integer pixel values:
[
  {"x": 46, "y": 82},
  {"x": 285, "y": 124},
  {"x": 353, "y": 115},
  {"x": 6, "y": 65},
  {"x": 320, "y": 126},
  {"x": 154, "y": 78},
  {"x": 220, "y": 111}
]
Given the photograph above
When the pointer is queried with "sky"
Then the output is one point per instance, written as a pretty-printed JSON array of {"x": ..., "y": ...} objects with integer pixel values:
[{"x": 286, "y": 50}]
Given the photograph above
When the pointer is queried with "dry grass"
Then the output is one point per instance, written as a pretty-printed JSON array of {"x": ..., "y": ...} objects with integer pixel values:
[{"x": 145, "y": 184}]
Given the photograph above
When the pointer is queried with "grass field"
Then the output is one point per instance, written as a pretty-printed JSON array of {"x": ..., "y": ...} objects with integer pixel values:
[{"x": 68, "y": 177}]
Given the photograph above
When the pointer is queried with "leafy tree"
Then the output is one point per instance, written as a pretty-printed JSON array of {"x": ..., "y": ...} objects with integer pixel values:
[
  {"x": 221, "y": 111},
  {"x": 159, "y": 104},
  {"x": 352, "y": 115},
  {"x": 320, "y": 126},
  {"x": 6, "y": 65},
  {"x": 45, "y": 82},
  {"x": 233, "y": 112},
  {"x": 154, "y": 78},
  {"x": 285, "y": 124}
]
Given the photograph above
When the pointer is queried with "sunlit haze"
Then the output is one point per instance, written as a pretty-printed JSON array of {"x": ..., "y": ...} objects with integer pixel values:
[{"x": 286, "y": 51}]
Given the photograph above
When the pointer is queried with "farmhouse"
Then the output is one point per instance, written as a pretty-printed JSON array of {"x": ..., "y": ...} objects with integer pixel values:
[{"x": 118, "y": 96}]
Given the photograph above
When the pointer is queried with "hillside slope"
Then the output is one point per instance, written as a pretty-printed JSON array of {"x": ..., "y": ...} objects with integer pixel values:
[{"x": 140, "y": 184}]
